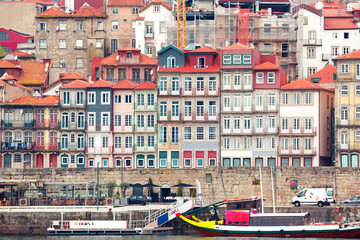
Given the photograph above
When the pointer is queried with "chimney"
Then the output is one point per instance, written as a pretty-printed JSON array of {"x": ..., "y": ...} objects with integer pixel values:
[{"x": 105, "y": 5}]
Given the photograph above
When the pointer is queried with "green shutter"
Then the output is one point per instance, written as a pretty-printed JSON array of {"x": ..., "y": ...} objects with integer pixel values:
[
  {"x": 174, "y": 154},
  {"x": 163, "y": 154}
]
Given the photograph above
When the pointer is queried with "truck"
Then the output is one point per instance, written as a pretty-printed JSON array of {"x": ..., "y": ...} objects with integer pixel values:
[{"x": 314, "y": 196}]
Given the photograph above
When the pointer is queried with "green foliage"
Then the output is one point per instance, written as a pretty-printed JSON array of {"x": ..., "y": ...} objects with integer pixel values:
[
  {"x": 151, "y": 189},
  {"x": 110, "y": 186},
  {"x": 22, "y": 188},
  {"x": 123, "y": 187},
  {"x": 179, "y": 190}
]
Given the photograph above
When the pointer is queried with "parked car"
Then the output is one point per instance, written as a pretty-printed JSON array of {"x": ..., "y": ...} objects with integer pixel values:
[
  {"x": 138, "y": 200},
  {"x": 353, "y": 200}
]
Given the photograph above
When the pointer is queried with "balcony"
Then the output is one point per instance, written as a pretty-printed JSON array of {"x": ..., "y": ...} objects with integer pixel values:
[
  {"x": 200, "y": 92},
  {"x": 145, "y": 148},
  {"x": 99, "y": 150},
  {"x": 299, "y": 151},
  {"x": 17, "y": 146},
  {"x": 201, "y": 117},
  {"x": 344, "y": 146},
  {"x": 123, "y": 149},
  {"x": 175, "y": 92},
  {"x": 149, "y": 35},
  {"x": 145, "y": 128},
  {"x": 68, "y": 125},
  {"x": 146, "y": 107},
  {"x": 124, "y": 129},
  {"x": 302, "y": 131},
  {"x": 54, "y": 147},
  {"x": 74, "y": 147},
  {"x": 312, "y": 42},
  {"x": 18, "y": 124},
  {"x": 47, "y": 124}
]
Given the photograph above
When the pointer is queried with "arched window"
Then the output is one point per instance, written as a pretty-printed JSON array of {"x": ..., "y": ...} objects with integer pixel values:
[
  {"x": 64, "y": 141},
  {"x": 4, "y": 36},
  {"x": 80, "y": 141},
  {"x": 344, "y": 160},
  {"x": 357, "y": 112},
  {"x": 344, "y": 113},
  {"x": 344, "y": 139},
  {"x": 344, "y": 90},
  {"x": 171, "y": 62}
]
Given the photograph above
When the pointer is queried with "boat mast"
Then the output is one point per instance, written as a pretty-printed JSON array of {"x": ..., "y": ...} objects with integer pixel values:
[
  {"x": 272, "y": 187},
  {"x": 261, "y": 190}
]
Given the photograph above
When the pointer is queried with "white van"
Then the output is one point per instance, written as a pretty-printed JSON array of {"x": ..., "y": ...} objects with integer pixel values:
[{"x": 314, "y": 196}]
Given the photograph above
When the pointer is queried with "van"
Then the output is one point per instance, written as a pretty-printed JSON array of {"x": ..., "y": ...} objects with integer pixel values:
[{"x": 314, "y": 196}]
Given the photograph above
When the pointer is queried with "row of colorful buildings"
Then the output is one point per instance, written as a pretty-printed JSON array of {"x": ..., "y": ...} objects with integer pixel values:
[{"x": 197, "y": 109}]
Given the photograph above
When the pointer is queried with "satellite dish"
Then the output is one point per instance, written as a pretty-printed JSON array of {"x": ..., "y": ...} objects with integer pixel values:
[
  {"x": 117, "y": 57},
  {"x": 319, "y": 5}
]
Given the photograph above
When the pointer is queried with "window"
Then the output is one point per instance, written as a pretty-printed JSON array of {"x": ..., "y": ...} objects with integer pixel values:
[
  {"x": 237, "y": 102},
  {"x": 357, "y": 136},
  {"x": 344, "y": 114},
  {"x": 344, "y": 90},
  {"x": 344, "y": 68},
  {"x": 117, "y": 142},
  {"x": 105, "y": 119},
  {"x": 175, "y": 109},
  {"x": 212, "y": 133},
  {"x": 271, "y": 77},
  {"x": 91, "y": 98},
  {"x": 163, "y": 108},
  {"x": 151, "y": 141},
  {"x": 187, "y": 109},
  {"x": 247, "y": 122},
  {"x": 259, "y": 77},
  {"x": 149, "y": 49},
  {"x": 284, "y": 144},
  {"x": 200, "y": 108},
  {"x": 79, "y": 43},
  {"x": 117, "y": 121},
  {"x": 187, "y": 82},
  {"x": 334, "y": 51},
  {"x": 199, "y": 133},
  {"x": 259, "y": 100},
  {"x": 296, "y": 124},
  {"x": 200, "y": 84},
  {"x": 79, "y": 25},
  {"x": 149, "y": 28},
  {"x": 156, "y": 8},
  {"x": 227, "y": 101},
  {"x": 62, "y": 43},
  {"x": 128, "y": 98},
  {"x": 171, "y": 62},
  {"x": 64, "y": 141},
  {"x": 163, "y": 84},
  {"x": 226, "y": 143},
  {"x": 247, "y": 59},
  {"x": 150, "y": 99},
  {"x": 66, "y": 98},
  {"x": 105, "y": 98},
  {"x": 174, "y": 134},
  {"x": 125, "y": 20},
  {"x": 285, "y": 98},
  {"x": 226, "y": 123},
  {"x": 140, "y": 141},
  {"x": 162, "y": 27},
  {"x": 163, "y": 135},
  {"x": 236, "y": 59},
  {"x": 267, "y": 28},
  {"x": 201, "y": 62},
  {"x": 345, "y": 50},
  {"x": 308, "y": 98},
  {"x": 128, "y": 120},
  {"x": 140, "y": 99},
  {"x": 135, "y": 10},
  {"x": 62, "y": 63},
  {"x": 43, "y": 27},
  {"x": 187, "y": 133},
  {"x": 151, "y": 121},
  {"x": 42, "y": 43},
  {"x": 81, "y": 120},
  {"x": 226, "y": 59},
  {"x": 114, "y": 25},
  {"x": 285, "y": 124},
  {"x": 267, "y": 47},
  {"x": 128, "y": 142},
  {"x": 357, "y": 112},
  {"x": 175, "y": 84},
  {"x": 335, "y": 35},
  {"x": 259, "y": 142},
  {"x": 311, "y": 71},
  {"x": 296, "y": 98},
  {"x": 346, "y": 35},
  {"x": 79, "y": 63},
  {"x": 247, "y": 144},
  {"x": 226, "y": 80},
  {"x": 117, "y": 98},
  {"x": 79, "y": 98},
  {"x": 259, "y": 120},
  {"x": 236, "y": 142},
  {"x": 271, "y": 143},
  {"x": 62, "y": 25},
  {"x": 271, "y": 122},
  {"x": 115, "y": 11},
  {"x": 64, "y": 160},
  {"x": 311, "y": 52},
  {"x": 308, "y": 143},
  {"x": 247, "y": 80}
]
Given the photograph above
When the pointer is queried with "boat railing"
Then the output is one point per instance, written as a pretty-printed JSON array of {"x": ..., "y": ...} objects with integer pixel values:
[{"x": 134, "y": 224}]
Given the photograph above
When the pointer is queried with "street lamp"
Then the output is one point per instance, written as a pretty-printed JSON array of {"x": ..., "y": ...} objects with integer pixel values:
[
  {"x": 97, "y": 187},
  {"x": 25, "y": 161},
  {"x": 122, "y": 177}
]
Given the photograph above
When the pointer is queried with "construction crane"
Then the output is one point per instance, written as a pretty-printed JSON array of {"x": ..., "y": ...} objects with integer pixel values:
[{"x": 181, "y": 19}]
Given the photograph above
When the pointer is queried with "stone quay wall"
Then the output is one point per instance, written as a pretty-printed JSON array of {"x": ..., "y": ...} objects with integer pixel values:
[{"x": 237, "y": 181}]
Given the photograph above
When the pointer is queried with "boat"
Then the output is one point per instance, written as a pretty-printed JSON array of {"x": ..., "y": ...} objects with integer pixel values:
[{"x": 243, "y": 219}]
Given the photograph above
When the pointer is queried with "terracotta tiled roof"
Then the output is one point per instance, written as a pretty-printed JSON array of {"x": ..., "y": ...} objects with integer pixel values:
[
  {"x": 237, "y": 46},
  {"x": 70, "y": 76},
  {"x": 33, "y": 73},
  {"x": 302, "y": 84},
  {"x": 130, "y": 49},
  {"x": 49, "y": 100},
  {"x": 326, "y": 74},
  {"x": 140, "y": 18},
  {"x": 328, "y": 4},
  {"x": 76, "y": 84},
  {"x": 6, "y": 64},
  {"x": 125, "y": 84},
  {"x": 7, "y": 77},
  {"x": 266, "y": 66},
  {"x": 125, "y": 2},
  {"x": 337, "y": 13},
  {"x": 88, "y": 11},
  {"x": 205, "y": 49},
  {"x": 53, "y": 12},
  {"x": 23, "y": 100},
  {"x": 146, "y": 85},
  {"x": 101, "y": 84},
  {"x": 351, "y": 55},
  {"x": 144, "y": 60},
  {"x": 166, "y": 5},
  {"x": 2, "y": 83},
  {"x": 336, "y": 23},
  {"x": 21, "y": 54}
]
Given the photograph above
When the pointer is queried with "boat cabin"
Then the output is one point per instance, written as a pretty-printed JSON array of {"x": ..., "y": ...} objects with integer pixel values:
[{"x": 246, "y": 212}]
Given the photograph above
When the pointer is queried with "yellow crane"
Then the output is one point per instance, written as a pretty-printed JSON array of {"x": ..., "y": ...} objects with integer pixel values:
[{"x": 181, "y": 19}]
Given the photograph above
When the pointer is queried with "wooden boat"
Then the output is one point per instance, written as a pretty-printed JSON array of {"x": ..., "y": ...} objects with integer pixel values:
[{"x": 243, "y": 220}]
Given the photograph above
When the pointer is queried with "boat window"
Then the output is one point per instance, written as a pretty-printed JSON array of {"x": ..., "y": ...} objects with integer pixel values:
[
  {"x": 330, "y": 193},
  {"x": 301, "y": 194}
]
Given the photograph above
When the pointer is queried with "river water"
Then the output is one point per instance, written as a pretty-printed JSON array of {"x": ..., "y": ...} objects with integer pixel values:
[{"x": 140, "y": 237}]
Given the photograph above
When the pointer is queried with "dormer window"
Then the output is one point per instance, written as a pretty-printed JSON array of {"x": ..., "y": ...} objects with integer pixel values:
[
  {"x": 237, "y": 59},
  {"x": 226, "y": 59},
  {"x": 129, "y": 54},
  {"x": 271, "y": 77},
  {"x": 247, "y": 59},
  {"x": 171, "y": 62},
  {"x": 156, "y": 8},
  {"x": 201, "y": 62}
]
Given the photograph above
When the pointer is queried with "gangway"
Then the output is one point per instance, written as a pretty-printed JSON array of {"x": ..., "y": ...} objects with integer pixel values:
[{"x": 163, "y": 216}]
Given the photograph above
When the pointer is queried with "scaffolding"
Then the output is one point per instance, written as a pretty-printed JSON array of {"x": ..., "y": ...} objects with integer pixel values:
[{"x": 181, "y": 18}]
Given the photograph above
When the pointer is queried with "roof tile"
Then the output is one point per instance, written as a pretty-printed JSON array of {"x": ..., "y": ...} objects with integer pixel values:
[
  {"x": 101, "y": 84},
  {"x": 76, "y": 84},
  {"x": 53, "y": 12},
  {"x": 166, "y": 5},
  {"x": 23, "y": 100},
  {"x": 335, "y": 23},
  {"x": 326, "y": 74},
  {"x": 146, "y": 85},
  {"x": 302, "y": 84},
  {"x": 237, "y": 46},
  {"x": 144, "y": 60},
  {"x": 125, "y": 2},
  {"x": 70, "y": 76},
  {"x": 7, "y": 64},
  {"x": 125, "y": 84},
  {"x": 49, "y": 100},
  {"x": 351, "y": 55},
  {"x": 266, "y": 66},
  {"x": 33, "y": 73},
  {"x": 88, "y": 11},
  {"x": 21, "y": 54}
]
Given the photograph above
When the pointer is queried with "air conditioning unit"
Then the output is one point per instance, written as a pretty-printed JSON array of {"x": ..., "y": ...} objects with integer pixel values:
[
  {"x": 109, "y": 201},
  {"x": 23, "y": 202}
]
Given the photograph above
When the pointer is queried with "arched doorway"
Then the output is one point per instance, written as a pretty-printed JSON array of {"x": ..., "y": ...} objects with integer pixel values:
[{"x": 164, "y": 191}]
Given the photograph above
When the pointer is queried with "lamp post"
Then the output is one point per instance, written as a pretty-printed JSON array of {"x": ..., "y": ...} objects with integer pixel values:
[
  {"x": 122, "y": 177},
  {"x": 97, "y": 187},
  {"x": 23, "y": 176}
]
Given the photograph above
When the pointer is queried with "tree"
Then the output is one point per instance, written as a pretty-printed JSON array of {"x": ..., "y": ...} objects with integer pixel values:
[
  {"x": 151, "y": 189},
  {"x": 22, "y": 188},
  {"x": 110, "y": 186},
  {"x": 179, "y": 190},
  {"x": 123, "y": 187}
]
